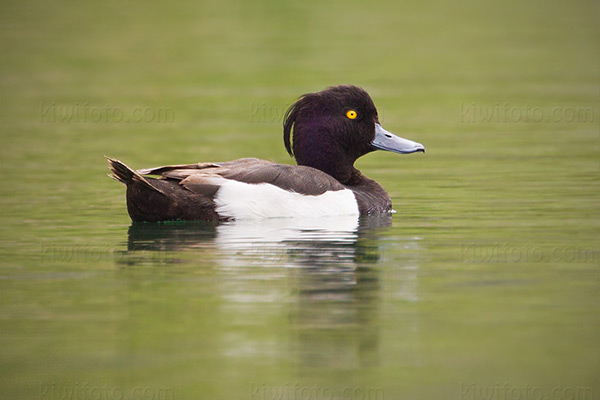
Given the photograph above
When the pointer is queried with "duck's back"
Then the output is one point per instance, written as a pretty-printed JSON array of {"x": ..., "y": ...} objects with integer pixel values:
[{"x": 240, "y": 189}]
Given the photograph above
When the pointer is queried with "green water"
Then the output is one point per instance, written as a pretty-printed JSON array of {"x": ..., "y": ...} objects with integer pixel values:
[{"x": 484, "y": 284}]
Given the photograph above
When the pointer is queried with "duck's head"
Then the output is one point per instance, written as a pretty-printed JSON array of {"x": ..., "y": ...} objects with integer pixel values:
[{"x": 334, "y": 127}]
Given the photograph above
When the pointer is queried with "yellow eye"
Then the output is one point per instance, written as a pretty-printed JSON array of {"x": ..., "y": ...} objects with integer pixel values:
[{"x": 351, "y": 114}]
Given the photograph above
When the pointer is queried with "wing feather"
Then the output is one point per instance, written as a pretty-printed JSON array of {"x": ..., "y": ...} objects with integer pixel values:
[{"x": 206, "y": 178}]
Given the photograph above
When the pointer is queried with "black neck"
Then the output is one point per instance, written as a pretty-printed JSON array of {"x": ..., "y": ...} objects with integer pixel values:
[{"x": 336, "y": 165}]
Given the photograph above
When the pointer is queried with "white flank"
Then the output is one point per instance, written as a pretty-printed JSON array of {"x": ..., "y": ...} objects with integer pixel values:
[{"x": 240, "y": 200}]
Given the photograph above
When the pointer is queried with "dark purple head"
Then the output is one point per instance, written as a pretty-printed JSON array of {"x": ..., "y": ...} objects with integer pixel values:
[{"x": 334, "y": 127}]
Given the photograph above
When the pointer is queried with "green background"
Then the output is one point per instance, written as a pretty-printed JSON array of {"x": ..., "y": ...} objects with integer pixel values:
[{"x": 486, "y": 279}]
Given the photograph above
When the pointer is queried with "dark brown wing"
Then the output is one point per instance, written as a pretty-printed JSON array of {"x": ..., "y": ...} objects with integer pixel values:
[{"x": 205, "y": 178}]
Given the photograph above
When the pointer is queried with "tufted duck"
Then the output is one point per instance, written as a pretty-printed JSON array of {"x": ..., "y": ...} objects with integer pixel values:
[{"x": 325, "y": 131}]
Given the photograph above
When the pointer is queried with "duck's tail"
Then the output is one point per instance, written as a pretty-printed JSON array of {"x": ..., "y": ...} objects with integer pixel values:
[{"x": 122, "y": 173}]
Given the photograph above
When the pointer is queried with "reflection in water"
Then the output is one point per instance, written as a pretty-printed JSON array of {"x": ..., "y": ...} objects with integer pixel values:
[
  {"x": 335, "y": 307},
  {"x": 168, "y": 236},
  {"x": 331, "y": 290}
]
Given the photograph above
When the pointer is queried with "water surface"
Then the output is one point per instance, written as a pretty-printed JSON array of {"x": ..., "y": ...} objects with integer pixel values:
[{"x": 485, "y": 281}]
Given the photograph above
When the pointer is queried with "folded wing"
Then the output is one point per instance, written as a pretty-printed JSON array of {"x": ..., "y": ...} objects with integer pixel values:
[{"x": 206, "y": 178}]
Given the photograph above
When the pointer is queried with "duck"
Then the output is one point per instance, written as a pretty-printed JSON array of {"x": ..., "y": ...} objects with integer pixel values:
[{"x": 325, "y": 131}]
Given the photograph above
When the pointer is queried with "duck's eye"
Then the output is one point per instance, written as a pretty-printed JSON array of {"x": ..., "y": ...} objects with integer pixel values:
[{"x": 351, "y": 114}]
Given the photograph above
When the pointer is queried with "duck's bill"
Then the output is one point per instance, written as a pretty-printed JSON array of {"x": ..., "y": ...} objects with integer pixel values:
[{"x": 387, "y": 141}]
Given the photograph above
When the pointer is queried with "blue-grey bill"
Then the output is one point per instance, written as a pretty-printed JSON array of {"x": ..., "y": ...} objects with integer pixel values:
[{"x": 387, "y": 141}]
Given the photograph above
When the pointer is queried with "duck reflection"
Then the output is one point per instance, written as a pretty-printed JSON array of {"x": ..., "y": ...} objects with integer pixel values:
[{"x": 331, "y": 288}]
